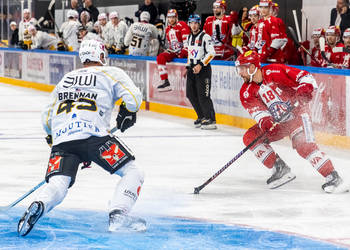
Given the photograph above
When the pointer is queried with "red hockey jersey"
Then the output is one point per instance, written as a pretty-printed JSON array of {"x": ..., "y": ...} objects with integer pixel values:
[
  {"x": 177, "y": 35},
  {"x": 340, "y": 59},
  {"x": 271, "y": 34},
  {"x": 279, "y": 86},
  {"x": 220, "y": 32}
]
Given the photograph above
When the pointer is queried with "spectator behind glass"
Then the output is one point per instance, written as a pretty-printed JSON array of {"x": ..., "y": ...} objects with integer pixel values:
[
  {"x": 150, "y": 8},
  {"x": 75, "y": 6},
  {"x": 340, "y": 16},
  {"x": 14, "y": 37},
  {"x": 93, "y": 11}
]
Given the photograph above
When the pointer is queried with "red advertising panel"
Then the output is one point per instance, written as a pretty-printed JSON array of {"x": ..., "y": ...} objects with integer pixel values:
[
  {"x": 178, "y": 83},
  {"x": 328, "y": 108}
]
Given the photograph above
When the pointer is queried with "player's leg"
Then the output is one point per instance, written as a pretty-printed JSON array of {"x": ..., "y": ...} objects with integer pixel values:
[
  {"x": 266, "y": 155},
  {"x": 319, "y": 160},
  {"x": 60, "y": 175},
  {"x": 113, "y": 155},
  {"x": 191, "y": 94},
  {"x": 203, "y": 80},
  {"x": 162, "y": 59}
]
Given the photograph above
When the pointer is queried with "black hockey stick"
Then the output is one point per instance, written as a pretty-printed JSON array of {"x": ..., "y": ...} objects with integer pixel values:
[
  {"x": 199, "y": 188},
  {"x": 295, "y": 40}
]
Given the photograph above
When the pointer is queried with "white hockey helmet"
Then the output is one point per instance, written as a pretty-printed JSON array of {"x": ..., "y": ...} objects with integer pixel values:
[
  {"x": 145, "y": 16},
  {"x": 91, "y": 50},
  {"x": 72, "y": 13},
  {"x": 114, "y": 14},
  {"x": 102, "y": 16}
]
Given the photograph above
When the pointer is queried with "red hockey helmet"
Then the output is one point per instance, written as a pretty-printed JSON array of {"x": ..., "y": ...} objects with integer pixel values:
[
  {"x": 254, "y": 10},
  {"x": 172, "y": 13},
  {"x": 333, "y": 30},
  {"x": 346, "y": 33},
  {"x": 247, "y": 58},
  {"x": 265, "y": 3},
  {"x": 318, "y": 32},
  {"x": 220, "y": 4}
]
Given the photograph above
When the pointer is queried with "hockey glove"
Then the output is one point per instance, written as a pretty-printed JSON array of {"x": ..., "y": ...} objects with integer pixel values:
[
  {"x": 268, "y": 126},
  {"x": 304, "y": 93},
  {"x": 125, "y": 118},
  {"x": 49, "y": 140}
]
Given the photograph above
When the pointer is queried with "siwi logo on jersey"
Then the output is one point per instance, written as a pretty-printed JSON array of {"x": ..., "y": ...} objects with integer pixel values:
[
  {"x": 54, "y": 164},
  {"x": 112, "y": 154}
]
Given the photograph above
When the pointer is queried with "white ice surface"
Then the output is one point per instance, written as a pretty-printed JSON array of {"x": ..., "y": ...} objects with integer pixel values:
[{"x": 177, "y": 157}]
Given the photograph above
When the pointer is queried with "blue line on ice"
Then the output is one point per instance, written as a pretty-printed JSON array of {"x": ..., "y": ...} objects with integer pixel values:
[{"x": 81, "y": 229}]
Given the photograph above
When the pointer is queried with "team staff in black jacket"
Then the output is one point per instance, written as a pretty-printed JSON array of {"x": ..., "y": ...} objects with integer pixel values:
[{"x": 200, "y": 52}]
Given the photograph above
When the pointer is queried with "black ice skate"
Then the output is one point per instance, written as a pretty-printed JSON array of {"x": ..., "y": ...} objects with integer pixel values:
[
  {"x": 119, "y": 221},
  {"x": 30, "y": 217},
  {"x": 165, "y": 87},
  {"x": 281, "y": 174},
  {"x": 197, "y": 123},
  {"x": 334, "y": 184},
  {"x": 208, "y": 124}
]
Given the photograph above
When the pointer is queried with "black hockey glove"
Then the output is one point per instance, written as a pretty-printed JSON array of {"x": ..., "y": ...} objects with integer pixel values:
[
  {"x": 125, "y": 118},
  {"x": 49, "y": 140}
]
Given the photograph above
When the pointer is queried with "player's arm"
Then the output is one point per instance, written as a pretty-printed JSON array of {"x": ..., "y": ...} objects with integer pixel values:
[
  {"x": 46, "y": 116},
  {"x": 128, "y": 36},
  {"x": 124, "y": 87},
  {"x": 306, "y": 83},
  {"x": 208, "y": 49}
]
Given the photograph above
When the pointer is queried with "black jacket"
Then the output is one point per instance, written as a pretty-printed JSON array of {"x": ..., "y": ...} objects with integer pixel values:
[
  {"x": 345, "y": 19},
  {"x": 93, "y": 11},
  {"x": 14, "y": 38},
  {"x": 152, "y": 11}
]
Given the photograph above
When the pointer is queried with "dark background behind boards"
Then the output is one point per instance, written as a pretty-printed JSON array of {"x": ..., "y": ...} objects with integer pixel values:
[{"x": 205, "y": 6}]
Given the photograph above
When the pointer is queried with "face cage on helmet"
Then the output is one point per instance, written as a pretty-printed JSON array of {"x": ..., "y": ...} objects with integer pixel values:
[{"x": 239, "y": 68}]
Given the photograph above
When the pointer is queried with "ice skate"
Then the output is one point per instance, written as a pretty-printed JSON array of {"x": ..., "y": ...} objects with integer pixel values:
[
  {"x": 30, "y": 217},
  {"x": 281, "y": 174},
  {"x": 165, "y": 87},
  {"x": 208, "y": 124},
  {"x": 119, "y": 221},
  {"x": 334, "y": 184},
  {"x": 197, "y": 123}
]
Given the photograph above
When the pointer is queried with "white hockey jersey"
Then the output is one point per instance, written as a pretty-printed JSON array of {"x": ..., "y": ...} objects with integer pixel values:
[
  {"x": 70, "y": 30},
  {"x": 116, "y": 34},
  {"x": 44, "y": 40},
  {"x": 23, "y": 26},
  {"x": 82, "y": 102},
  {"x": 139, "y": 37}
]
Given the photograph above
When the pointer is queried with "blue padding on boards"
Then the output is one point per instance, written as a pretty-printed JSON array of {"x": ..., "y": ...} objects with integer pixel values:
[
  {"x": 345, "y": 72},
  {"x": 80, "y": 229}
]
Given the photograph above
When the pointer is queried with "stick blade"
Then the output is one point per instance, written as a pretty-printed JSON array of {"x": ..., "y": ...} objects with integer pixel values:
[{"x": 196, "y": 190}]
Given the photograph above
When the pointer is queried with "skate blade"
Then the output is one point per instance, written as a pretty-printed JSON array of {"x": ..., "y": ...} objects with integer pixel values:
[
  {"x": 24, "y": 228},
  {"x": 282, "y": 181},
  {"x": 341, "y": 188},
  {"x": 166, "y": 89},
  {"x": 208, "y": 127}
]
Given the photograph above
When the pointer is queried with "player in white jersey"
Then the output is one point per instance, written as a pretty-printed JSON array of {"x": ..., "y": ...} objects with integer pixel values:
[
  {"x": 23, "y": 34},
  {"x": 77, "y": 121},
  {"x": 69, "y": 30},
  {"x": 102, "y": 20},
  {"x": 42, "y": 40},
  {"x": 117, "y": 29},
  {"x": 139, "y": 36}
]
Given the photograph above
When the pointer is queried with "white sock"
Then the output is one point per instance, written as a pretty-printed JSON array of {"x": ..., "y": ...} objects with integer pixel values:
[
  {"x": 128, "y": 188},
  {"x": 54, "y": 192}
]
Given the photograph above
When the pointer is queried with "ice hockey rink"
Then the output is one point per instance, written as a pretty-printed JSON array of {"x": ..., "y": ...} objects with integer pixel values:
[{"x": 235, "y": 211}]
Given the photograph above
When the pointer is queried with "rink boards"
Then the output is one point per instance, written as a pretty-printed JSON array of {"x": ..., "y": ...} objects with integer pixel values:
[{"x": 330, "y": 108}]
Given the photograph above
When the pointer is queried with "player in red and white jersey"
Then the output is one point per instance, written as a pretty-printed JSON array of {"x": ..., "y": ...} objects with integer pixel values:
[
  {"x": 317, "y": 60},
  {"x": 254, "y": 16},
  {"x": 270, "y": 94},
  {"x": 271, "y": 35},
  {"x": 219, "y": 28},
  {"x": 333, "y": 45},
  {"x": 290, "y": 52},
  {"x": 339, "y": 58},
  {"x": 176, "y": 35}
]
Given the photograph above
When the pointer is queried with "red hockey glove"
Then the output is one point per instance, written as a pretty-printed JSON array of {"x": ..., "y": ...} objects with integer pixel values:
[
  {"x": 304, "y": 93},
  {"x": 268, "y": 125}
]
